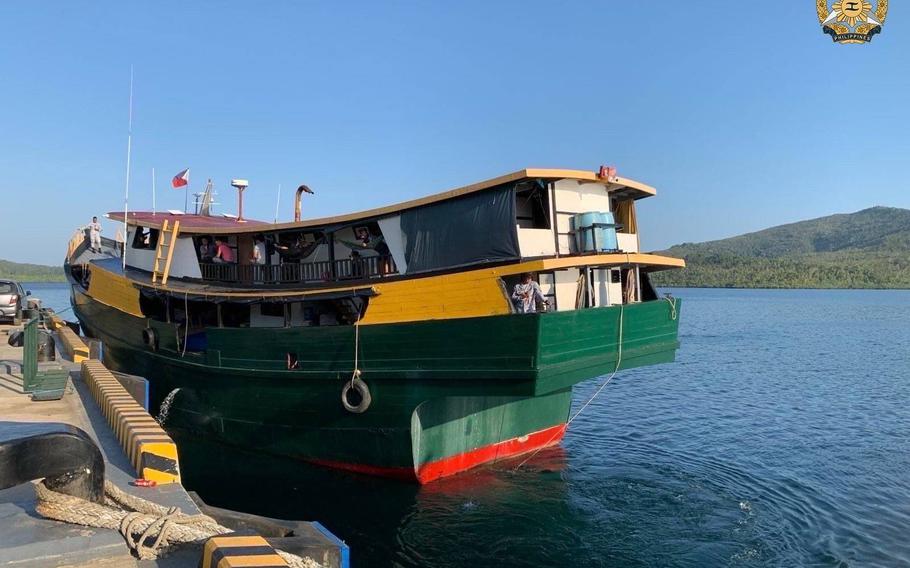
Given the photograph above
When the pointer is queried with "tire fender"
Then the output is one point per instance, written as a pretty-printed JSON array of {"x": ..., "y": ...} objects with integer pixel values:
[{"x": 358, "y": 389}]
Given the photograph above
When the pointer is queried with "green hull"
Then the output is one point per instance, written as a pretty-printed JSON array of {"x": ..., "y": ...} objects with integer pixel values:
[{"x": 446, "y": 394}]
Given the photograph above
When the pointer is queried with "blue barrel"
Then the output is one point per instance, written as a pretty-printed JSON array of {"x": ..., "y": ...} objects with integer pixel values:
[
  {"x": 583, "y": 225},
  {"x": 592, "y": 238},
  {"x": 606, "y": 236}
]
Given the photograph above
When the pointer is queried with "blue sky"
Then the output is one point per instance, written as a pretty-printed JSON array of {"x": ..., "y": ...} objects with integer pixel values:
[{"x": 742, "y": 114}]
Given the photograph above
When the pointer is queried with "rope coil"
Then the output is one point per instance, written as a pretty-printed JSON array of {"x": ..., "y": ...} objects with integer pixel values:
[{"x": 147, "y": 527}]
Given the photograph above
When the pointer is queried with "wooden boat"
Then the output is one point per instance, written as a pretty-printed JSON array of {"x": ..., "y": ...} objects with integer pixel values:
[{"x": 385, "y": 342}]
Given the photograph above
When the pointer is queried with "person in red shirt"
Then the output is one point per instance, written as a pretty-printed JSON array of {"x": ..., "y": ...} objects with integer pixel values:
[{"x": 223, "y": 253}]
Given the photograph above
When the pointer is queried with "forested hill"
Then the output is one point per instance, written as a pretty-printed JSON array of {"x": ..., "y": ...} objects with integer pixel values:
[
  {"x": 30, "y": 272},
  {"x": 866, "y": 249}
]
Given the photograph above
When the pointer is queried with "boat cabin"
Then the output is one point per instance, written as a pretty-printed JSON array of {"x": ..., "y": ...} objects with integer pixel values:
[{"x": 527, "y": 215}]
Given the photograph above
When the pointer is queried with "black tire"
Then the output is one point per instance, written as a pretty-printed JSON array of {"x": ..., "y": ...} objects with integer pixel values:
[
  {"x": 150, "y": 338},
  {"x": 355, "y": 396}
]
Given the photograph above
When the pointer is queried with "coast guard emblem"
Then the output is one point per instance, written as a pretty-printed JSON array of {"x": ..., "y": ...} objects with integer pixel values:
[{"x": 852, "y": 21}]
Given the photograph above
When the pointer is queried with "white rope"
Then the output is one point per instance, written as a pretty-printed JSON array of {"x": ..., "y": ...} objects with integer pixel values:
[
  {"x": 356, "y": 373},
  {"x": 186, "y": 319},
  {"x": 672, "y": 301},
  {"x": 139, "y": 521}
]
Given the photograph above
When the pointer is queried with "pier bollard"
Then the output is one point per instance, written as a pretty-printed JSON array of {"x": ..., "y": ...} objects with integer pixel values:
[
  {"x": 64, "y": 455},
  {"x": 237, "y": 550}
]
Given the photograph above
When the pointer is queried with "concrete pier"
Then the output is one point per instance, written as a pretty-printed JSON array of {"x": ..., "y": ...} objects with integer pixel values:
[
  {"x": 119, "y": 426},
  {"x": 26, "y": 538}
]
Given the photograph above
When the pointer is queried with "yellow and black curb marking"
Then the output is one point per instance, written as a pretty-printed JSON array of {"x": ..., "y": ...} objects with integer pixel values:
[
  {"x": 240, "y": 550},
  {"x": 147, "y": 445},
  {"x": 73, "y": 346}
]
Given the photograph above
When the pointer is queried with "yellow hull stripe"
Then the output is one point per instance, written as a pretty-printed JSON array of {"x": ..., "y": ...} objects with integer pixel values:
[
  {"x": 471, "y": 293},
  {"x": 115, "y": 290}
]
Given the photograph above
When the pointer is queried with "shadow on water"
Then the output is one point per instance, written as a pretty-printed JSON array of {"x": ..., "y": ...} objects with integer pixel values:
[{"x": 448, "y": 523}]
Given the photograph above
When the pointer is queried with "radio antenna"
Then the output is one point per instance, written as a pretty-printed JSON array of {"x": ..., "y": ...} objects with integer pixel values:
[
  {"x": 277, "y": 202},
  {"x": 129, "y": 147}
]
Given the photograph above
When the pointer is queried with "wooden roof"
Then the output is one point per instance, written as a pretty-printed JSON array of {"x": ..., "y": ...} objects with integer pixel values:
[{"x": 621, "y": 187}]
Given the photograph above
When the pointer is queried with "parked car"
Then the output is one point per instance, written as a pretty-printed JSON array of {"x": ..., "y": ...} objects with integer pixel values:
[{"x": 12, "y": 299}]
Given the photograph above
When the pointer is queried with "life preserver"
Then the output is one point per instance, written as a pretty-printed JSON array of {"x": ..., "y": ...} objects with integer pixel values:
[
  {"x": 150, "y": 338},
  {"x": 355, "y": 396}
]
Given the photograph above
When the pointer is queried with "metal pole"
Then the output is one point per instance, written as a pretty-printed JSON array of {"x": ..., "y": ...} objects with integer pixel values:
[
  {"x": 129, "y": 145},
  {"x": 154, "y": 208},
  {"x": 277, "y": 202}
]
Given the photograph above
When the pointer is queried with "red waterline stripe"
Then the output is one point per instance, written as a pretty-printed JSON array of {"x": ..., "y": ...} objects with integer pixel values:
[
  {"x": 460, "y": 462},
  {"x": 501, "y": 450}
]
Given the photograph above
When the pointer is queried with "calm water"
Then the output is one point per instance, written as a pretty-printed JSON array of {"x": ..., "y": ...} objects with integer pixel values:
[{"x": 778, "y": 438}]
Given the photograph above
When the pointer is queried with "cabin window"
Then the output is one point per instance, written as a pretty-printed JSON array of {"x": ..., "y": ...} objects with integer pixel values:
[
  {"x": 272, "y": 310},
  {"x": 235, "y": 315},
  {"x": 145, "y": 238},
  {"x": 154, "y": 307},
  {"x": 532, "y": 206}
]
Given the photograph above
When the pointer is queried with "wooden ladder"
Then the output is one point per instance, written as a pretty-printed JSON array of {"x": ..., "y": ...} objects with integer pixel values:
[{"x": 164, "y": 251}]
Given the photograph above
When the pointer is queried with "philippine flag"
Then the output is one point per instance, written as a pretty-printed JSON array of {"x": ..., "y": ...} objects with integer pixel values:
[{"x": 181, "y": 179}]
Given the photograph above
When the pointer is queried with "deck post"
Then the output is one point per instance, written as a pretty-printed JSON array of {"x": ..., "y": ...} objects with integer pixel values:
[{"x": 330, "y": 239}]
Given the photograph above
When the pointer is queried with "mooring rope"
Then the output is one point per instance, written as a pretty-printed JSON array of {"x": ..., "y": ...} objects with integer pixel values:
[
  {"x": 672, "y": 301},
  {"x": 139, "y": 521},
  {"x": 356, "y": 373},
  {"x": 186, "y": 316},
  {"x": 603, "y": 385},
  {"x": 592, "y": 397}
]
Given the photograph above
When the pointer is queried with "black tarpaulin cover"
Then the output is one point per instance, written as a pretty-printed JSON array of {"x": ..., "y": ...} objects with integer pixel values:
[{"x": 479, "y": 227}]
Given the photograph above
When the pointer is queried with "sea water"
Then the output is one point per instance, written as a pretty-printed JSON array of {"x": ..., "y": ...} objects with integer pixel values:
[{"x": 780, "y": 437}]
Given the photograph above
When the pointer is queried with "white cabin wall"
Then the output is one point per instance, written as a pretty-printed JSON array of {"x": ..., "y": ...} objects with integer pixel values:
[
  {"x": 536, "y": 242},
  {"x": 566, "y": 287},
  {"x": 143, "y": 259},
  {"x": 184, "y": 264},
  {"x": 627, "y": 242},
  {"x": 572, "y": 197},
  {"x": 396, "y": 239}
]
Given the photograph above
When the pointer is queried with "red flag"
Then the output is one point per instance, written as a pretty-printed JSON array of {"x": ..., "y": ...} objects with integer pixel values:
[{"x": 181, "y": 179}]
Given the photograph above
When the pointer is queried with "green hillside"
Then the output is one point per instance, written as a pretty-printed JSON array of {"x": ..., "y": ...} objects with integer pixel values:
[
  {"x": 866, "y": 249},
  {"x": 30, "y": 272}
]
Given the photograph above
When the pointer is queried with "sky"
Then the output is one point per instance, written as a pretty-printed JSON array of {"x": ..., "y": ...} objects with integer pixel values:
[{"x": 743, "y": 115}]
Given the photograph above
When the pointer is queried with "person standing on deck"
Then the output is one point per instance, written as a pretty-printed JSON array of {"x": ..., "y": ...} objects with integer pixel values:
[
  {"x": 257, "y": 256},
  {"x": 94, "y": 231},
  {"x": 527, "y": 294}
]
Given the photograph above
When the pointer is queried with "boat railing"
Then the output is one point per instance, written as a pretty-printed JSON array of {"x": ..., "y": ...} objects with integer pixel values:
[{"x": 299, "y": 272}]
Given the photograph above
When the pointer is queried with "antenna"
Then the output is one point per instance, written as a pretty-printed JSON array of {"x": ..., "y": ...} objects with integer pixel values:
[
  {"x": 277, "y": 202},
  {"x": 154, "y": 209},
  {"x": 205, "y": 208},
  {"x": 129, "y": 146}
]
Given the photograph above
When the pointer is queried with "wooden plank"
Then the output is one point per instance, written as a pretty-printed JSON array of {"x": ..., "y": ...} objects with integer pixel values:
[{"x": 170, "y": 252}]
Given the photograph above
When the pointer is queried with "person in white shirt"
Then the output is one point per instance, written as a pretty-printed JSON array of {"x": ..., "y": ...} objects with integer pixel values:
[
  {"x": 258, "y": 254},
  {"x": 527, "y": 295},
  {"x": 94, "y": 231}
]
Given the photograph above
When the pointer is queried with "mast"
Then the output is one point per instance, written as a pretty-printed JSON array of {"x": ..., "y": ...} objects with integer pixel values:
[
  {"x": 277, "y": 202},
  {"x": 129, "y": 146},
  {"x": 154, "y": 210}
]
